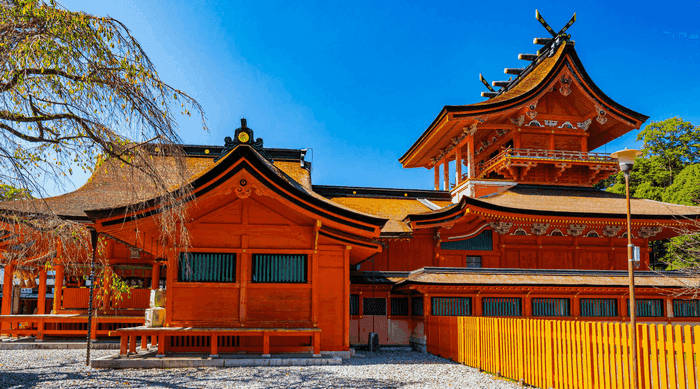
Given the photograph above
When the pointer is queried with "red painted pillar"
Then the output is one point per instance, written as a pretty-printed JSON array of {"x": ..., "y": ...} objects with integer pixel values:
[
  {"x": 7, "y": 294},
  {"x": 58, "y": 289},
  {"x": 155, "y": 276},
  {"x": 41, "y": 303}
]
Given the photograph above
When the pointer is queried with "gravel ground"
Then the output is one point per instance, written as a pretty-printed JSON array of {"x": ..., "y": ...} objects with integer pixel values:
[{"x": 387, "y": 369}]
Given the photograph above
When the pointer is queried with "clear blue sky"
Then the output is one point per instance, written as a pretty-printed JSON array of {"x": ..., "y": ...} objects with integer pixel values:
[{"x": 359, "y": 82}]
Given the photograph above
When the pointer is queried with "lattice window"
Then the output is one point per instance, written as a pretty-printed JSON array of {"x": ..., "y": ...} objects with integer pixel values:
[
  {"x": 648, "y": 307},
  {"x": 686, "y": 308},
  {"x": 354, "y": 304},
  {"x": 483, "y": 241},
  {"x": 503, "y": 306},
  {"x": 399, "y": 306},
  {"x": 599, "y": 307},
  {"x": 207, "y": 267},
  {"x": 279, "y": 268},
  {"x": 374, "y": 306},
  {"x": 417, "y": 306},
  {"x": 473, "y": 261},
  {"x": 451, "y": 306},
  {"x": 559, "y": 307}
]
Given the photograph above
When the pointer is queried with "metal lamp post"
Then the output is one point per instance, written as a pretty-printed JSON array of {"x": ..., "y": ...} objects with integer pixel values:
[{"x": 626, "y": 160}]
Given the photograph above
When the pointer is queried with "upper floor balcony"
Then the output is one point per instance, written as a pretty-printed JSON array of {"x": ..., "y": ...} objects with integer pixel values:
[{"x": 547, "y": 167}]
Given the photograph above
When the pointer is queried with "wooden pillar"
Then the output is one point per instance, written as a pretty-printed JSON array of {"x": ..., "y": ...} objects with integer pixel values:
[
  {"x": 576, "y": 306},
  {"x": 41, "y": 302},
  {"x": 155, "y": 275},
  {"x": 446, "y": 174},
  {"x": 317, "y": 344},
  {"x": 551, "y": 140},
  {"x": 516, "y": 139},
  {"x": 58, "y": 288},
  {"x": 161, "y": 343},
  {"x": 470, "y": 159},
  {"x": 478, "y": 305},
  {"x": 437, "y": 176},
  {"x": 266, "y": 345},
  {"x": 144, "y": 342},
  {"x": 346, "y": 302},
  {"x": 214, "y": 345},
  {"x": 243, "y": 282},
  {"x": 170, "y": 278},
  {"x": 584, "y": 143},
  {"x": 132, "y": 343},
  {"x": 528, "y": 306},
  {"x": 123, "y": 344},
  {"x": 7, "y": 294},
  {"x": 314, "y": 288},
  {"x": 458, "y": 165}
]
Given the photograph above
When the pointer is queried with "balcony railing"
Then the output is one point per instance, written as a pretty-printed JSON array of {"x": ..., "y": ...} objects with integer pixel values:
[{"x": 543, "y": 155}]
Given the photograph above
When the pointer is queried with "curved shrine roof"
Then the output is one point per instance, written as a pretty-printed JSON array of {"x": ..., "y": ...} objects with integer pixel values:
[
  {"x": 597, "y": 278},
  {"x": 537, "y": 80}
]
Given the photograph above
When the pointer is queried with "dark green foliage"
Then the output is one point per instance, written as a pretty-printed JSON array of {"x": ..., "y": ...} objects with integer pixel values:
[{"x": 668, "y": 171}]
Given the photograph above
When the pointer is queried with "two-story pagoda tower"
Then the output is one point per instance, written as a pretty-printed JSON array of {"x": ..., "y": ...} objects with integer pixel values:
[{"x": 538, "y": 128}]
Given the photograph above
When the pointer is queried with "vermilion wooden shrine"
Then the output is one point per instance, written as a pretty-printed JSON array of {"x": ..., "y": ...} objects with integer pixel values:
[{"x": 277, "y": 264}]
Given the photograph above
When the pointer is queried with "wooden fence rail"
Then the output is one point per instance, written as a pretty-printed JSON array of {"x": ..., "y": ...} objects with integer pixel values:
[{"x": 570, "y": 354}]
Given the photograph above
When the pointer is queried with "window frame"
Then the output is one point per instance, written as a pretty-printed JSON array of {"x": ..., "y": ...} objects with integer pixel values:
[
  {"x": 304, "y": 272},
  {"x": 236, "y": 265}
]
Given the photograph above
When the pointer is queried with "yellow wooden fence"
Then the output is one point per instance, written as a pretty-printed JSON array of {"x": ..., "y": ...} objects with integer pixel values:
[{"x": 577, "y": 354}]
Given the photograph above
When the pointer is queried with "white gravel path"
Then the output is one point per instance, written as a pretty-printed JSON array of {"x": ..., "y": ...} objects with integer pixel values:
[{"x": 387, "y": 369}]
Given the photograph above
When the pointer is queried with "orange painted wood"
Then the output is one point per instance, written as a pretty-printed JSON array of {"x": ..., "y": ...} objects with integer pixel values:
[
  {"x": 41, "y": 302},
  {"x": 161, "y": 344},
  {"x": 155, "y": 276},
  {"x": 214, "y": 344},
  {"x": 123, "y": 340},
  {"x": 132, "y": 343}
]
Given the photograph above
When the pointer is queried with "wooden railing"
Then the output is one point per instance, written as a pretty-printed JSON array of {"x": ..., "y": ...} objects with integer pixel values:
[
  {"x": 570, "y": 354},
  {"x": 544, "y": 155}
]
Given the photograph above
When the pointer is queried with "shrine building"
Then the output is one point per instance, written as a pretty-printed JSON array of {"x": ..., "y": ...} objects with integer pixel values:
[{"x": 513, "y": 228}]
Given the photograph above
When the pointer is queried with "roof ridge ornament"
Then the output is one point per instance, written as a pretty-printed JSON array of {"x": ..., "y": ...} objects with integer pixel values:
[
  {"x": 242, "y": 136},
  {"x": 558, "y": 37}
]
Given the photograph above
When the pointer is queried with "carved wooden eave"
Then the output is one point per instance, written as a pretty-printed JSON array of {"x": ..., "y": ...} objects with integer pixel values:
[{"x": 560, "y": 76}]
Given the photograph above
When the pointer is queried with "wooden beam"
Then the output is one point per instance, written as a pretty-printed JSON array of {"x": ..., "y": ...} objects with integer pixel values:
[
  {"x": 527, "y": 57},
  {"x": 515, "y": 71}
]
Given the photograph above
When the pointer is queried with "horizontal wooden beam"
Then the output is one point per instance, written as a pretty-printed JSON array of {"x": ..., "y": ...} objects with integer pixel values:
[
  {"x": 515, "y": 71},
  {"x": 527, "y": 57}
]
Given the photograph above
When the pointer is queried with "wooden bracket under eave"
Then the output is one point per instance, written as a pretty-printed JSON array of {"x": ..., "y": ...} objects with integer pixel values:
[{"x": 317, "y": 228}]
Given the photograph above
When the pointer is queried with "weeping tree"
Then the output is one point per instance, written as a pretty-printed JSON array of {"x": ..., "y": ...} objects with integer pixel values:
[{"x": 78, "y": 92}]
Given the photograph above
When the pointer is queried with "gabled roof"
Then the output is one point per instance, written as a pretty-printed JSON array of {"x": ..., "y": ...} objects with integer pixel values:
[
  {"x": 246, "y": 158},
  {"x": 113, "y": 184},
  {"x": 529, "y": 86}
]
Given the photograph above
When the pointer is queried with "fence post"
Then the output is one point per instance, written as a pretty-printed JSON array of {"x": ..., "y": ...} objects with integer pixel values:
[
  {"x": 498, "y": 353},
  {"x": 549, "y": 366},
  {"x": 478, "y": 344}
]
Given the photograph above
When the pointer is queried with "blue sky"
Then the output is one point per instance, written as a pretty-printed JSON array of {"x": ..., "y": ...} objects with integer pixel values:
[{"x": 358, "y": 82}]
